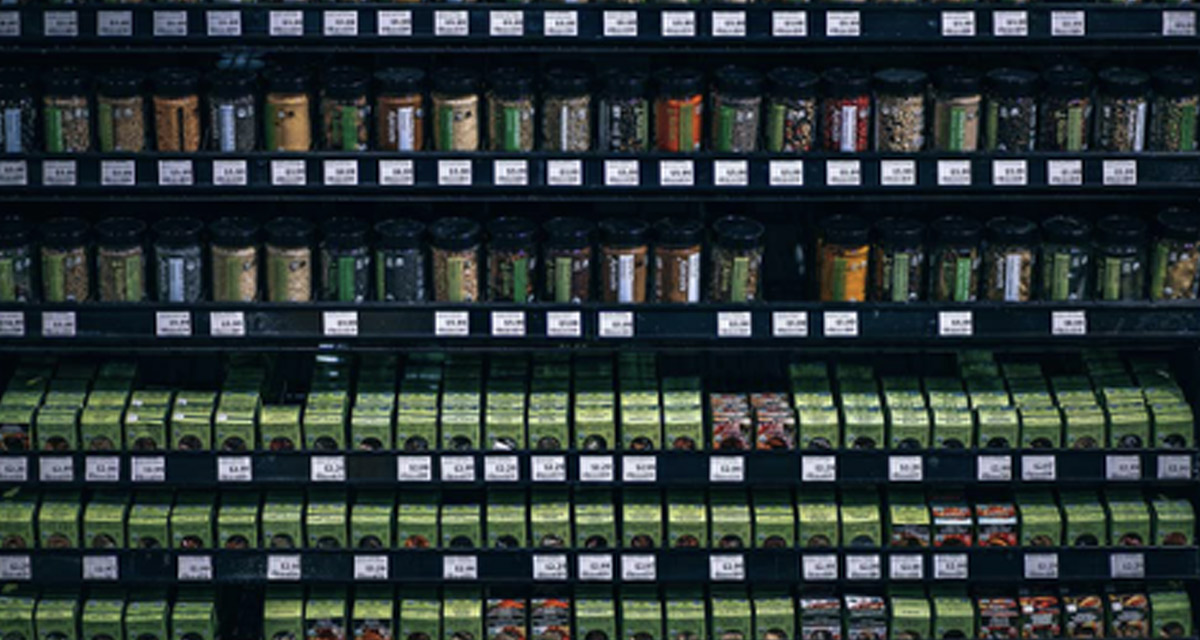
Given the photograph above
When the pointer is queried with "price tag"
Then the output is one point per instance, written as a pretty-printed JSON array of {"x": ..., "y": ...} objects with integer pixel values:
[
  {"x": 340, "y": 173},
  {"x": 955, "y": 324},
  {"x": 16, "y": 568},
  {"x": 863, "y": 567},
  {"x": 560, "y": 24},
  {"x": 12, "y": 324},
  {"x": 789, "y": 324},
  {"x": 118, "y": 173},
  {"x": 58, "y": 324},
  {"x": 898, "y": 173},
  {"x": 595, "y": 567},
  {"x": 1041, "y": 566},
  {"x": 451, "y": 23},
  {"x": 501, "y": 469},
  {"x": 56, "y": 469},
  {"x": 508, "y": 324},
  {"x": 394, "y": 24},
  {"x": 194, "y": 568},
  {"x": 234, "y": 469},
  {"x": 1068, "y": 323},
  {"x": 548, "y": 468},
  {"x": 460, "y": 568},
  {"x": 731, "y": 173},
  {"x": 1174, "y": 467},
  {"x": 729, "y": 24},
  {"x": 550, "y": 567},
  {"x": 230, "y": 173},
  {"x": 958, "y": 24},
  {"x": 454, "y": 173},
  {"x": 340, "y": 23},
  {"x": 620, "y": 24},
  {"x": 171, "y": 24},
  {"x": 785, "y": 173},
  {"x": 843, "y": 173},
  {"x": 1039, "y": 468},
  {"x": 172, "y": 324},
  {"x": 1120, "y": 173},
  {"x": 397, "y": 173},
  {"x": 1010, "y": 24},
  {"x": 564, "y": 173},
  {"x": 595, "y": 468},
  {"x": 842, "y": 24},
  {"x": 288, "y": 173},
  {"x": 340, "y": 323},
  {"x": 906, "y": 567},
  {"x": 818, "y": 468},
  {"x": 564, "y": 324},
  {"x": 371, "y": 567},
  {"x": 327, "y": 469},
  {"x": 726, "y": 469},
  {"x": 100, "y": 568},
  {"x": 102, "y": 469},
  {"x": 639, "y": 568},
  {"x": 616, "y": 324},
  {"x": 1064, "y": 173},
  {"x": 14, "y": 173},
  {"x": 224, "y": 24},
  {"x": 14, "y": 469},
  {"x": 1122, "y": 467},
  {"x": 510, "y": 173},
  {"x": 10, "y": 24},
  {"x": 506, "y": 24},
  {"x": 60, "y": 24},
  {"x": 286, "y": 24},
  {"x": 678, "y": 24},
  {"x": 458, "y": 469},
  {"x": 840, "y": 324},
  {"x": 676, "y": 173},
  {"x": 639, "y": 469},
  {"x": 789, "y": 24},
  {"x": 621, "y": 173},
  {"x": 227, "y": 324},
  {"x": 1127, "y": 565},
  {"x": 954, "y": 173},
  {"x": 950, "y": 566},
  {"x": 59, "y": 173},
  {"x": 1010, "y": 173},
  {"x": 1068, "y": 24},
  {"x": 1179, "y": 23},
  {"x": 283, "y": 567},
  {"x": 451, "y": 323},
  {"x": 727, "y": 567},
  {"x": 114, "y": 24},
  {"x": 148, "y": 469},
  {"x": 414, "y": 469},
  {"x": 820, "y": 567},
  {"x": 734, "y": 324},
  {"x": 994, "y": 468},
  {"x": 906, "y": 469}
]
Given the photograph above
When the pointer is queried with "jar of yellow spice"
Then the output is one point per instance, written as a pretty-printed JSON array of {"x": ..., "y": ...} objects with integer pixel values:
[{"x": 287, "y": 111}]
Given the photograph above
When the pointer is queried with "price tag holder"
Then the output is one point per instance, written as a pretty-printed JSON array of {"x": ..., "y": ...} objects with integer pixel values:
[
  {"x": 508, "y": 324},
  {"x": 1068, "y": 323},
  {"x": 954, "y": 173},
  {"x": 16, "y": 567},
  {"x": 56, "y": 469},
  {"x": 230, "y": 173},
  {"x": 840, "y": 324},
  {"x": 727, "y": 567},
  {"x": 224, "y": 24},
  {"x": 551, "y": 567},
  {"x": 1068, "y": 24},
  {"x": 564, "y": 324},
  {"x": 955, "y": 324},
  {"x": 785, "y": 173},
  {"x": 994, "y": 468},
  {"x": 285, "y": 24},
  {"x": 1010, "y": 173},
  {"x": 616, "y": 324},
  {"x": 510, "y": 173},
  {"x": 1128, "y": 566},
  {"x": 596, "y": 469},
  {"x": 227, "y": 324},
  {"x": 397, "y": 173},
  {"x": 548, "y": 468},
  {"x": 288, "y": 173},
  {"x": 676, "y": 173},
  {"x": 951, "y": 566},
  {"x": 501, "y": 469},
  {"x": 906, "y": 567},
  {"x": 898, "y": 173},
  {"x": 61, "y": 173},
  {"x": 284, "y": 567},
  {"x": 60, "y": 24},
  {"x": 1179, "y": 23},
  {"x": 14, "y": 469},
  {"x": 506, "y": 24},
  {"x": 1122, "y": 467},
  {"x": 1174, "y": 467},
  {"x": 621, "y": 173},
  {"x": 451, "y": 324},
  {"x": 1041, "y": 566},
  {"x": 101, "y": 568},
  {"x": 734, "y": 324},
  {"x": 340, "y": 324},
  {"x": 958, "y": 24},
  {"x": 171, "y": 24},
  {"x": 12, "y": 324},
  {"x": 818, "y": 468},
  {"x": 458, "y": 469},
  {"x": 1064, "y": 173},
  {"x": 620, "y": 24},
  {"x": 729, "y": 24},
  {"x": 843, "y": 173},
  {"x": 843, "y": 24},
  {"x": 1010, "y": 24},
  {"x": 639, "y": 469},
  {"x": 191, "y": 568},
  {"x": 114, "y": 24},
  {"x": 327, "y": 469},
  {"x": 148, "y": 468},
  {"x": 118, "y": 173},
  {"x": 678, "y": 24},
  {"x": 1120, "y": 173},
  {"x": 560, "y": 24},
  {"x": 820, "y": 567},
  {"x": 460, "y": 568},
  {"x": 727, "y": 469},
  {"x": 564, "y": 173},
  {"x": 863, "y": 567},
  {"x": 172, "y": 324},
  {"x": 58, "y": 324},
  {"x": 394, "y": 24},
  {"x": 454, "y": 173},
  {"x": 731, "y": 173},
  {"x": 789, "y": 324},
  {"x": 639, "y": 568},
  {"x": 102, "y": 469},
  {"x": 234, "y": 469},
  {"x": 1041, "y": 468},
  {"x": 340, "y": 24},
  {"x": 371, "y": 568},
  {"x": 906, "y": 469},
  {"x": 789, "y": 24},
  {"x": 414, "y": 469},
  {"x": 451, "y": 23},
  {"x": 596, "y": 567},
  {"x": 340, "y": 173}
]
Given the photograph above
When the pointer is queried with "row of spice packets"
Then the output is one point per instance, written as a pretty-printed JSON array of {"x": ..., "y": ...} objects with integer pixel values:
[{"x": 27, "y": 614}]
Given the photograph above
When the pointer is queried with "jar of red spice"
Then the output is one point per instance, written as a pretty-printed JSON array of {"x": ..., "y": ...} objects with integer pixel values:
[
  {"x": 846, "y": 110},
  {"x": 678, "y": 108}
]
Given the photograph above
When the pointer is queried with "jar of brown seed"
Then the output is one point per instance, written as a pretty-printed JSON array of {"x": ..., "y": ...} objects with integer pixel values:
[
  {"x": 289, "y": 260},
  {"x": 400, "y": 109},
  {"x": 455, "y": 252},
  {"x": 900, "y": 110},
  {"x": 121, "y": 260},
  {"x": 287, "y": 117},
  {"x": 624, "y": 260},
  {"x": 345, "y": 111},
  {"x": 66, "y": 267},
  {"x": 177, "y": 110},
  {"x": 234, "y": 260},
  {"x": 456, "y": 109},
  {"x": 678, "y": 246},
  {"x": 66, "y": 111},
  {"x": 958, "y": 104},
  {"x": 121, "y": 112}
]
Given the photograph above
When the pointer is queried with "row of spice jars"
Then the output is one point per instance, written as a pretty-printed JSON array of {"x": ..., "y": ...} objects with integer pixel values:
[{"x": 1008, "y": 259}]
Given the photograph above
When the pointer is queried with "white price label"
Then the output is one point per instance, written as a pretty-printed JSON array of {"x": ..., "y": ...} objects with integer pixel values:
[
  {"x": 620, "y": 24},
  {"x": 284, "y": 567},
  {"x": 785, "y": 173},
  {"x": 1041, "y": 468},
  {"x": 501, "y": 469},
  {"x": 550, "y": 567},
  {"x": 820, "y": 567},
  {"x": 906, "y": 469},
  {"x": 954, "y": 173},
  {"x": 729, "y": 24},
  {"x": 621, "y": 173},
  {"x": 118, "y": 173},
  {"x": 371, "y": 567},
  {"x": 1179, "y": 23},
  {"x": 678, "y": 24},
  {"x": 451, "y": 23},
  {"x": 616, "y": 324},
  {"x": 958, "y": 24},
  {"x": 1064, "y": 173},
  {"x": 16, "y": 568},
  {"x": 172, "y": 324},
  {"x": 1041, "y": 566},
  {"x": 1174, "y": 467},
  {"x": 454, "y": 173},
  {"x": 394, "y": 24},
  {"x": 100, "y": 568},
  {"x": 506, "y": 24},
  {"x": 460, "y": 568},
  {"x": 676, "y": 173},
  {"x": 843, "y": 24},
  {"x": 58, "y": 324},
  {"x": 843, "y": 173},
  {"x": 731, "y": 173},
  {"x": 726, "y": 469},
  {"x": 148, "y": 469},
  {"x": 906, "y": 567},
  {"x": 60, "y": 24},
  {"x": 596, "y": 469},
  {"x": 12, "y": 324},
  {"x": 596, "y": 567},
  {"x": 639, "y": 469},
  {"x": 1127, "y": 566},
  {"x": 548, "y": 468},
  {"x": 340, "y": 23},
  {"x": 458, "y": 469},
  {"x": 102, "y": 469},
  {"x": 414, "y": 469},
  {"x": 340, "y": 173},
  {"x": 327, "y": 469},
  {"x": 1122, "y": 467},
  {"x": 564, "y": 324},
  {"x": 1068, "y": 323},
  {"x": 727, "y": 567},
  {"x": 340, "y": 323},
  {"x": 60, "y": 173},
  {"x": 560, "y": 24},
  {"x": 230, "y": 173},
  {"x": 508, "y": 324},
  {"x": 510, "y": 173},
  {"x": 993, "y": 468},
  {"x": 194, "y": 568},
  {"x": 639, "y": 568},
  {"x": 898, "y": 173},
  {"x": 10, "y": 24},
  {"x": 170, "y": 24},
  {"x": 818, "y": 469},
  {"x": 1068, "y": 24},
  {"x": 288, "y": 173},
  {"x": 863, "y": 567},
  {"x": 1010, "y": 24},
  {"x": 789, "y": 24},
  {"x": 840, "y": 324},
  {"x": 955, "y": 324},
  {"x": 564, "y": 173},
  {"x": 224, "y": 24},
  {"x": 234, "y": 469},
  {"x": 1120, "y": 173},
  {"x": 14, "y": 173},
  {"x": 1010, "y": 173},
  {"x": 789, "y": 324},
  {"x": 951, "y": 566},
  {"x": 56, "y": 469},
  {"x": 285, "y": 24},
  {"x": 227, "y": 324},
  {"x": 14, "y": 469},
  {"x": 114, "y": 24},
  {"x": 734, "y": 324},
  {"x": 451, "y": 323},
  {"x": 397, "y": 173}
]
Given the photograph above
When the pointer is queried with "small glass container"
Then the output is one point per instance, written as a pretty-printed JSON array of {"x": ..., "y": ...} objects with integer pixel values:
[
  {"x": 400, "y": 109},
  {"x": 957, "y": 102},
  {"x": 345, "y": 111},
  {"x": 846, "y": 110},
  {"x": 678, "y": 110},
  {"x": 567, "y": 111},
  {"x": 900, "y": 110},
  {"x": 1011, "y": 259},
  {"x": 345, "y": 260},
  {"x": 512, "y": 260},
  {"x": 1066, "y": 112},
  {"x": 736, "y": 105},
  {"x": 898, "y": 260},
  {"x": 121, "y": 112},
  {"x": 456, "y": 110},
  {"x": 1010, "y": 110},
  {"x": 287, "y": 111},
  {"x": 289, "y": 260},
  {"x": 567, "y": 253},
  {"x": 1120, "y": 258},
  {"x": 19, "y": 131},
  {"x": 16, "y": 261},
  {"x": 625, "y": 260},
  {"x": 178, "y": 260},
  {"x": 177, "y": 110},
  {"x": 1066, "y": 258},
  {"x": 1173, "y": 110},
  {"x": 736, "y": 260},
  {"x": 400, "y": 262},
  {"x": 1121, "y": 110},
  {"x": 455, "y": 247},
  {"x": 232, "y": 111},
  {"x": 234, "y": 260},
  {"x": 1176, "y": 255},
  {"x": 954, "y": 263},
  {"x": 66, "y": 264},
  {"x": 121, "y": 260},
  {"x": 678, "y": 252},
  {"x": 843, "y": 252},
  {"x": 510, "y": 110},
  {"x": 66, "y": 111},
  {"x": 623, "y": 119},
  {"x": 791, "y": 114}
]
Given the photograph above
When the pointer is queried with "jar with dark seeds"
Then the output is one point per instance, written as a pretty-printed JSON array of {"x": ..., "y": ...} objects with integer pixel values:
[
  {"x": 955, "y": 260},
  {"x": 1173, "y": 110},
  {"x": 345, "y": 260},
  {"x": 400, "y": 263},
  {"x": 16, "y": 261},
  {"x": 900, "y": 110},
  {"x": 232, "y": 111},
  {"x": 791, "y": 112},
  {"x": 568, "y": 259},
  {"x": 1010, "y": 259},
  {"x": 512, "y": 260},
  {"x": 1066, "y": 112},
  {"x": 1066, "y": 258},
  {"x": 1120, "y": 258},
  {"x": 898, "y": 260},
  {"x": 1010, "y": 110},
  {"x": 736, "y": 105},
  {"x": 1122, "y": 109},
  {"x": 178, "y": 260},
  {"x": 19, "y": 131},
  {"x": 623, "y": 117}
]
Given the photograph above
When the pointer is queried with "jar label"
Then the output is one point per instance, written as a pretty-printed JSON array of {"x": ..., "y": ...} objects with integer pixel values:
[
  {"x": 404, "y": 119},
  {"x": 739, "y": 279},
  {"x": 962, "y": 279},
  {"x": 106, "y": 126},
  {"x": 1061, "y": 274},
  {"x": 726, "y": 117},
  {"x": 1112, "y": 278},
  {"x": 900, "y": 267},
  {"x": 346, "y": 270},
  {"x": 455, "y": 268},
  {"x": 625, "y": 269},
  {"x": 54, "y": 130},
  {"x": 775, "y": 123},
  {"x": 175, "y": 280},
  {"x": 849, "y": 141},
  {"x": 12, "y": 131},
  {"x": 8, "y": 285},
  {"x": 692, "y": 277},
  {"x": 1075, "y": 128},
  {"x": 562, "y": 279},
  {"x": 1012, "y": 277},
  {"x": 512, "y": 129}
]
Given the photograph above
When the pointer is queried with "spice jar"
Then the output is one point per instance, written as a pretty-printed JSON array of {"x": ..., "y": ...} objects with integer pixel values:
[
  {"x": 1010, "y": 110},
  {"x": 624, "y": 116},
  {"x": 20, "y": 115},
  {"x": 120, "y": 260},
  {"x": 846, "y": 109},
  {"x": 568, "y": 257},
  {"x": 66, "y": 267},
  {"x": 400, "y": 109},
  {"x": 1120, "y": 256},
  {"x": 957, "y": 103},
  {"x": 1066, "y": 114},
  {"x": 287, "y": 111},
  {"x": 232, "y": 115},
  {"x": 234, "y": 260},
  {"x": 455, "y": 110},
  {"x": 510, "y": 110},
  {"x": 455, "y": 249},
  {"x": 178, "y": 260},
  {"x": 567, "y": 111},
  {"x": 1121, "y": 110},
  {"x": 345, "y": 112},
  {"x": 66, "y": 112},
  {"x": 16, "y": 261},
  {"x": 900, "y": 110},
  {"x": 678, "y": 110},
  {"x": 1176, "y": 255},
  {"x": 1066, "y": 258},
  {"x": 843, "y": 250},
  {"x": 898, "y": 260},
  {"x": 737, "y": 260},
  {"x": 1173, "y": 112},
  {"x": 1010, "y": 259},
  {"x": 791, "y": 110},
  {"x": 678, "y": 244},
  {"x": 121, "y": 112},
  {"x": 345, "y": 260},
  {"x": 512, "y": 260},
  {"x": 736, "y": 104},
  {"x": 954, "y": 265},
  {"x": 400, "y": 261},
  {"x": 289, "y": 260},
  {"x": 625, "y": 264},
  {"x": 177, "y": 110}
]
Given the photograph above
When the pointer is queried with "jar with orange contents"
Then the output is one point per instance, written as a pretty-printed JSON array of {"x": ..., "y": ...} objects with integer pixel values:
[
  {"x": 843, "y": 251},
  {"x": 678, "y": 110}
]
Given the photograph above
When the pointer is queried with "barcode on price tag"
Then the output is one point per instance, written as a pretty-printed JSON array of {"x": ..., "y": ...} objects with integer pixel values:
[
  {"x": 340, "y": 323},
  {"x": 288, "y": 173},
  {"x": 620, "y": 24},
  {"x": 898, "y": 173},
  {"x": 340, "y": 23},
  {"x": 56, "y": 469},
  {"x": 61, "y": 173},
  {"x": 16, "y": 568},
  {"x": 224, "y": 24},
  {"x": 454, "y": 173},
  {"x": 14, "y": 173},
  {"x": 148, "y": 468},
  {"x": 460, "y": 568},
  {"x": 1122, "y": 467},
  {"x": 863, "y": 567},
  {"x": 194, "y": 568},
  {"x": 955, "y": 324},
  {"x": 950, "y": 566},
  {"x": 1041, "y": 566},
  {"x": 1128, "y": 565},
  {"x": 1039, "y": 468},
  {"x": 506, "y": 24},
  {"x": 954, "y": 173},
  {"x": 616, "y": 324},
  {"x": 414, "y": 469},
  {"x": 508, "y": 324},
  {"x": 285, "y": 24},
  {"x": 451, "y": 323},
  {"x": 227, "y": 324},
  {"x": 678, "y": 24},
  {"x": 458, "y": 469},
  {"x": 1174, "y": 467},
  {"x": 842, "y": 24},
  {"x": 820, "y": 567},
  {"x": 510, "y": 173},
  {"x": 958, "y": 24},
  {"x": 676, "y": 173},
  {"x": 596, "y": 468},
  {"x": 1068, "y": 323},
  {"x": 14, "y": 469},
  {"x": 1064, "y": 173},
  {"x": 12, "y": 324},
  {"x": 596, "y": 567},
  {"x": 993, "y": 468},
  {"x": 840, "y": 324},
  {"x": 843, "y": 173},
  {"x": 818, "y": 468},
  {"x": 789, "y": 324},
  {"x": 564, "y": 173},
  {"x": 394, "y": 24},
  {"x": 1120, "y": 173},
  {"x": 100, "y": 568},
  {"x": 1179, "y": 23},
  {"x": 397, "y": 173},
  {"x": 327, "y": 469},
  {"x": 284, "y": 567},
  {"x": 451, "y": 23},
  {"x": 561, "y": 24},
  {"x": 171, "y": 24},
  {"x": 548, "y": 468},
  {"x": 729, "y": 24},
  {"x": 1010, "y": 173},
  {"x": 789, "y": 24},
  {"x": 501, "y": 469},
  {"x": 906, "y": 567},
  {"x": 1068, "y": 24},
  {"x": 370, "y": 567},
  {"x": 230, "y": 173},
  {"x": 550, "y": 567},
  {"x": 726, "y": 469},
  {"x": 234, "y": 469},
  {"x": 905, "y": 469},
  {"x": 734, "y": 324},
  {"x": 639, "y": 568},
  {"x": 340, "y": 173},
  {"x": 564, "y": 324},
  {"x": 102, "y": 469},
  {"x": 58, "y": 324},
  {"x": 639, "y": 469},
  {"x": 727, "y": 567},
  {"x": 118, "y": 173},
  {"x": 172, "y": 324}
]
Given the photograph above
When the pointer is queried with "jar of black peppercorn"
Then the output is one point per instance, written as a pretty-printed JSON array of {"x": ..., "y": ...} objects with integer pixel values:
[
  {"x": 19, "y": 132},
  {"x": 178, "y": 260},
  {"x": 791, "y": 112},
  {"x": 900, "y": 110},
  {"x": 1010, "y": 110},
  {"x": 1122, "y": 108},
  {"x": 736, "y": 105},
  {"x": 954, "y": 265},
  {"x": 232, "y": 110},
  {"x": 846, "y": 110},
  {"x": 1066, "y": 258},
  {"x": 1066, "y": 112},
  {"x": 1120, "y": 258},
  {"x": 957, "y": 105},
  {"x": 400, "y": 262},
  {"x": 568, "y": 258},
  {"x": 512, "y": 260},
  {"x": 1173, "y": 111},
  {"x": 898, "y": 260},
  {"x": 623, "y": 119},
  {"x": 345, "y": 260}
]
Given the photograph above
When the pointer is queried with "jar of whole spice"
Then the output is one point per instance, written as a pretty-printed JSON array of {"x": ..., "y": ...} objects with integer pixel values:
[
  {"x": 678, "y": 110},
  {"x": 1066, "y": 113},
  {"x": 400, "y": 270},
  {"x": 66, "y": 263},
  {"x": 898, "y": 260},
  {"x": 454, "y": 245},
  {"x": 678, "y": 246},
  {"x": 846, "y": 110},
  {"x": 234, "y": 260},
  {"x": 954, "y": 265},
  {"x": 289, "y": 260},
  {"x": 345, "y": 260},
  {"x": 624, "y": 116},
  {"x": 1010, "y": 110},
  {"x": 121, "y": 260},
  {"x": 19, "y": 133},
  {"x": 66, "y": 111},
  {"x": 178, "y": 260},
  {"x": 843, "y": 251},
  {"x": 900, "y": 110},
  {"x": 287, "y": 111},
  {"x": 957, "y": 103},
  {"x": 510, "y": 110},
  {"x": 121, "y": 112},
  {"x": 1121, "y": 109},
  {"x": 177, "y": 110},
  {"x": 1173, "y": 110},
  {"x": 791, "y": 112},
  {"x": 568, "y": 258},
  {"x": 512, "y": 260},
  {"x": 1066, "y": 258},
  {"x": 232, "y": 113},
  {"x": 345, "y": 111},
  {"x": 625, "y": 260},
  {"x": 16, "y": 261},
  {"x": 400, "y": 109},
  {"x": 1120, "y": 258},
  {"x": 567, "y": 111},
  {"x": 456, "y": 111},
  {"x": 737, "y": 260},
  {"x": 1011, "y": 259},
  {"x": 1176, "y": 255},
  {"x": 736, "y": 105}
]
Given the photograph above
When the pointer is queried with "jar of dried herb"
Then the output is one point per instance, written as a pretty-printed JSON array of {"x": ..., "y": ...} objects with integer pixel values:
[
  {"x": 287, "y": 110},
  {"x": 512, "y": 260},
  {"x": 16, "y": 261},
  {"x": 624, "y": 116},
  {"x": 1011, "y": 259},
  {"x": 1066, "y": 258},
  {"x": 954, "y": 266},
  {"x": 234, "y": 260},
  {"x": 678, "y": 110},
  {"x": 400, "y": 109},
  {"x": 345, "y": 260},
  {"x": 289, "y": 260},
  {"x": 900, "y": 110},
  {"x": 1122, "y": 108},
  {"x": 678, "y": 246},
  {"x": 1120, "y": 258},
  {"x": 19, "y": 133},
  {"x": 737, "y": 260},
  {"x": 345, "y": 111},
  {"x": 456, "y": 254},
  {"x": 1066, "y": 113},
  {"x": 121, "y": 112},
  {"x": 898, "y": 260},
  {"x": 843, "y": 251},
  {"x": 1173, "y": 110},
  {"x": 400, "y": 270},
  {"x": 510, "y": 110},
  {"x": 66, "y": 264},
  {"x": 625, "y": 260},
  {"x": 455, "y": 110},
  {"x": 121, "y": 260},
  {"x": 958, "y": 101},
  {"x": 1176, "y": 255},
  {"x": 736, "y": 105},
  {"x": 567, "y": 111},
  {"x": 178, "y": 260},
  {"x": 177, "y": 110},
  {"x": 846, "y": 110},
  {"x": 232, "y": 113},
  {"x": 568, "y": 257},
  {"x": 791, "y": 110},
  {"x": 66, "y": 111},
  {"x": 1010, "y": 110}
]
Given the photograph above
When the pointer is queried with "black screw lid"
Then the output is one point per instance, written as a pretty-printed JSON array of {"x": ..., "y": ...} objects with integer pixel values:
[
  {"x": 175, "y": 82},
  {"x": 900, "y": 81},
  {"x": 14, "y": 232},
  {"x": 844, "y": 81},
  {"x": 1175, "y": 82},
  {"x": 957, "y": 230},
  {"x": 958, "y": 81},
  {"x": 67, "y": 81},
  {"x": 455, "y": 234},
  {"x": 232, "y": 83},
  {"x": 1067, "y": 80},
  {"x": 565, "y": 81},
  {"x": 791, "y": 82},
  {"x": 1122, "y": 81},
  {"x": 845, "y": 229},
  {"x": 67, "y": 231},
  {"x": 1121, "y": 230},
  {"x": 1011, "y": 230},
  {"x": 120, "y": 231},
  {"x": 400, "y": 233},
  {"x": 1178, "y": 223},
  {"x": 738, "y": 81},
  {"x": 455, "y": 81},
  {"x": 679, "y": 81},
  {"x": 233, "y": 232},
  {"x": 346, "y": 83},
  {"x": 1066, "y": 229},
  {"x": 345, "y": 232},
  {"x": 289, "y": 231},
  {"x": 623, "y": 232},
  {"x": 178, "y": 231},
  {"x": 621, "y": 83},
  {"x": 736, "y": 232},
  {"x": 120, "y": 83},
  {"x": 286, "y": 80},
  {"x": 1006, "y": 81},
  {"x": 512, "y": 233},
  {"x": 400, "y": 80},
  {"x": 678, "y": 232},
  {"x": 568, "y": 232},
  {"x": 14, "y": 84},
  {"x": 511, "y": 82},
  {"x": 900, "y": 231}
]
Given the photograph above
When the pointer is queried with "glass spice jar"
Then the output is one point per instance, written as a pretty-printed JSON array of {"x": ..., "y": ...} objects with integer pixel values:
[
  {"x": 843, "y": 251},
  {"x": 1173, "y": 110},
  {"x": 900, "y": 110},
  {"x": 345, "y": 111},
  {"x": 957, "y": 102},
  {"x": 1010, "y": 259},
  {"x": 736, "y": 260},
  {"x": 121, "y": 112},
  {"x": 234, "y": 260},
  {"x": 455, "y": 248},
  {"x": 66, "y": 264},
  {"x": 791, "y": 112},
  {"x": 178, "y": 260},
  {"x": 1010, "y": 110},
  {"x": 954, "y": 264},
  {"x": 345, "y": 260},
  {"x": 1176, "y": 255},
  {"x": 678, "y": 110},
  {"x": 678, "y": 246},
  {"x": 736, "y": 105},
  {"x": 567, "y": 254},
  {"x": 510, "y": 110},
  {"x": 1066, "y": 112},
  {"x": 1066, "y": 258},
  {"x": 16, "y": 261},
  {"x": 898, "y": 260},
  {"x": 455, "y": 110},
  {"x": 287, "y": 111},
  {"x": 66, "y": 111},
  {"x": 567, "y": 111},
  {"x": 177, "y": 110},
  {"x": 1121, "y": 109},
  {"x": 232, "y": 113},
  {"x": 623, "y": 121},
  {"x": 19, "y": 133},
  {"x": 846, "y": 110},
  {"x": 512, "y": 260},
  {"x": 289, "y": 260},
  {"x": 400, "y": 261},
  {"x": 400, "y": 109},
  {"x": 121, "y": 260},
  {"x": 625, "y": 260},
  {"x": 1120, "y": 258}
]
